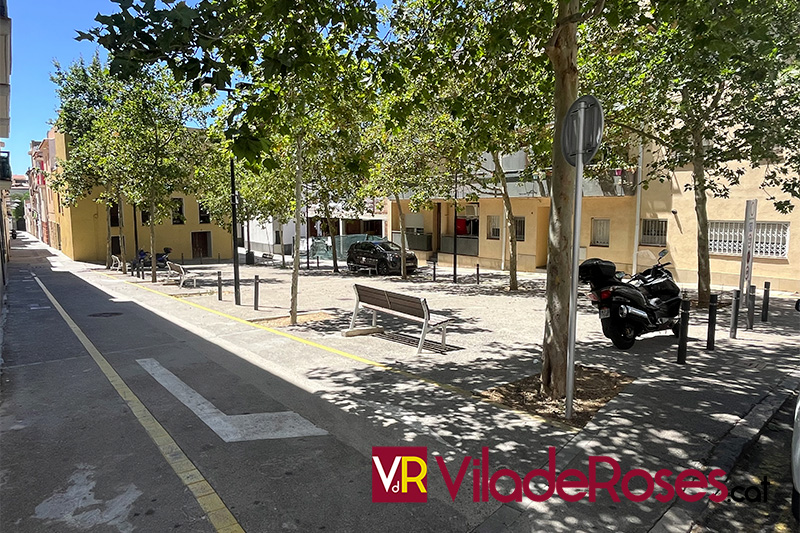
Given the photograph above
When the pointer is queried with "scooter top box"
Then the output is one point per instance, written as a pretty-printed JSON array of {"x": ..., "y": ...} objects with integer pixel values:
[{"x": 596, "y": 269}]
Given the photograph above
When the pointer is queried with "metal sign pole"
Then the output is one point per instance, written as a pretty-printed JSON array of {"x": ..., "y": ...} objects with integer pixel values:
[{"x": 576, "y": 248}]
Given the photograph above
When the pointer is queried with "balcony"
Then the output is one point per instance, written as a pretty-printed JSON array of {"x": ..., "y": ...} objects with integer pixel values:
[
  {"x": 467, "y": 245},
  {"x": 422, "y": 242}
]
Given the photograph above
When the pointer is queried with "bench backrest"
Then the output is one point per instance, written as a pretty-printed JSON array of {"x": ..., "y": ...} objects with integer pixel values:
[
  {"x": 400, "y": 303},
  {"x": 175, "y": 267}
]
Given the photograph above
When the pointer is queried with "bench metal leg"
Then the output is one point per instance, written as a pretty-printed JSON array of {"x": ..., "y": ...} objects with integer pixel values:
[
  {"x": 374, "y": 318},
  {"x": 444, "y": 336},
  {"x": 353, "y": 320},
  {"x": 422, "y": 338}
]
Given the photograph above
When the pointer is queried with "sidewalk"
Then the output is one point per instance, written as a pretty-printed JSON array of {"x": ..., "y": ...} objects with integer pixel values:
[{"x": 699, "y": 415}]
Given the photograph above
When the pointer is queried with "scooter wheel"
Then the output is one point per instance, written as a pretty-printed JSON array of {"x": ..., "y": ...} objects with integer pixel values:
[
  {"x": 676, "y": 328},
  {"x": 623, "y": 335}
]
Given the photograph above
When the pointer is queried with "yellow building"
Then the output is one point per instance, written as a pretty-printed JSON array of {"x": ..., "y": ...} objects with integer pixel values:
[
  {"x": 81, "y": 231},
  {"x": 610, "y": 229}
]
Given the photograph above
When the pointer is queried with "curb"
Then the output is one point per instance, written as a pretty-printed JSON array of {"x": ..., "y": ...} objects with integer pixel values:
[{"x": 682, "y": 516}]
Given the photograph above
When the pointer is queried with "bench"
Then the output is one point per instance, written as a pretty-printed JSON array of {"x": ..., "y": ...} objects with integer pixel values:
[
  {"x": 182, "y": 274},
  {"x": 268, "y": 258},
  {"x": 116, "y": 264},
  {"x": 400, "y": 305}
]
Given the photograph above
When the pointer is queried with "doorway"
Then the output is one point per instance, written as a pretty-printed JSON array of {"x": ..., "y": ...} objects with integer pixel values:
[{"x": 201, "y": 244}]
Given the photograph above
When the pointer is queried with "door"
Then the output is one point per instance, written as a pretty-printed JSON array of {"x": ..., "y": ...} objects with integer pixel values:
[
  {"x": 201, "y": 244},
  {"x": 542, "y": 228}
]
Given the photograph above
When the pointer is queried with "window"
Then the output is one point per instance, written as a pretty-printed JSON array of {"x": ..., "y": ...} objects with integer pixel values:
[
  {"x": 654, "y": 232},
  {"x": 519, "y": 223},
  {"x": 177, "y": 211},
  {"x": 601, "y": 231},
  {"x": 493, "y": 227},
  {"x": 726, "y": 238},
  {"x": 145, "y": 217},
  {"x": 205, "y": 216},
  {"x": 278, "y": 237},
  {"x": 114, "y": 211}
]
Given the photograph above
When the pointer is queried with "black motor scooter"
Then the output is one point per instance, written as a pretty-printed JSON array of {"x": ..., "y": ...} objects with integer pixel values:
[{"x": 649, "y": 301}]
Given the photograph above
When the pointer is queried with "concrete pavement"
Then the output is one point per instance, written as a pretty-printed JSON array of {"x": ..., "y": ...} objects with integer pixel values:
[{"x": 373, "y": 391}]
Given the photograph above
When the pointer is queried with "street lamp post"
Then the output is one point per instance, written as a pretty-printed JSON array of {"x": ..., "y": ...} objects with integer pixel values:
[{"x": 237, "y": 295}]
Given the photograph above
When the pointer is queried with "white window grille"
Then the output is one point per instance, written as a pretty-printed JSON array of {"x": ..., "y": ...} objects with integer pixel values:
[
  {"x": 727, "y": 238},
  {"x": 654, "y": 232},
  {"x": 493, "y": 227},
  {"x": 601, "y": 231}
]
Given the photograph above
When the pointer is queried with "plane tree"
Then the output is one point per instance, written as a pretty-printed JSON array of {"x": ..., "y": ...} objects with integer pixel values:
[
  {"x": 88, "y": 98},
  {"x": 714, "y": 86},
  {"x": 291, "y": 55}
]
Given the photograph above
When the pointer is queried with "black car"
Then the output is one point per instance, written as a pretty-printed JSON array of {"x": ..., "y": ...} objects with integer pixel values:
[{"x": 383, "y": 256}]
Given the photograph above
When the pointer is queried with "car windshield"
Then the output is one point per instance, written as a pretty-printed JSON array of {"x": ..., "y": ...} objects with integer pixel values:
[{"x": 387, "y": 246}]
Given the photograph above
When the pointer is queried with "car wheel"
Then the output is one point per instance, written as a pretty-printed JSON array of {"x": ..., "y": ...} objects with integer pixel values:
[
  {"x": 383, "y": 268},
  {"x": 410, "y": 271}
]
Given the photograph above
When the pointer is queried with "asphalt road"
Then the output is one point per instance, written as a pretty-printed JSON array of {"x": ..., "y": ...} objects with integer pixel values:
[{"x": 131, "y": 443}]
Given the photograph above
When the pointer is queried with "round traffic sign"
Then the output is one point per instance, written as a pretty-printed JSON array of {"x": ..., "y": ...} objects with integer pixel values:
[{"x": 592, "y": 130}]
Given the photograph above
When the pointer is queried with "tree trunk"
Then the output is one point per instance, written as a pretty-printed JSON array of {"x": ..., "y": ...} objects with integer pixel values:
[
  {"x": 332, "y": 231},
  {"x": 563, "y": 56},
  {"x": 298, "y": 200},
  {"x": 152, "y": 223},
  {"x": 511, "y": 224},
  {"x": 402, "y": 237},
  {"x": 108, "y": 236},
  {"x": 122, "y": 248},
  {"x": 701, "y": 211}
]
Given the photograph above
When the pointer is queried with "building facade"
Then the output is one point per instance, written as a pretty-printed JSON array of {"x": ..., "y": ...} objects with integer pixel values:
[
  {"x": 620, "y": 222},
  {"x": 81, "y": 231}
]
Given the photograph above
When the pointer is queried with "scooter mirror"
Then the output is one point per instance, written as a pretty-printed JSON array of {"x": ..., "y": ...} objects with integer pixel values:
[
  {"x": 619, "y": 275},
  {"x": 662, "y": 253}
]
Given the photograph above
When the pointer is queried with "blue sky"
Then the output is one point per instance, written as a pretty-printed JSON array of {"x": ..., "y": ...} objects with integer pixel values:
[{"x": 42, "y": 31}]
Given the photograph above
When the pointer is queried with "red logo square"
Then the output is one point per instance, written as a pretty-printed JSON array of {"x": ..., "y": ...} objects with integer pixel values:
[{"x": 400, "y": 474}]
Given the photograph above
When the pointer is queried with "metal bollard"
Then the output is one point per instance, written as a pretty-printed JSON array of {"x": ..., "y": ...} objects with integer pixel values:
[
  {"x": 751, "y": 306},
  {"x": 684, "y": 332},
  {"x": 735, "y": 313},
  {"x": 434, "y": 271},
  {"x": 765, "y": 303},
  {"x": 181, "y": 258},
  {"x": 255, "y": 292},
  {"x": 219, "y": 285},
  {"x": 478, "y": 274},
  {"x": 712, "y": 322},
  {"x": 317, "y": 262}
]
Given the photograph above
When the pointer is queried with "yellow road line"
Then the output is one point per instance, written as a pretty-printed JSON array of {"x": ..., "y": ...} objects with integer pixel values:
[
  {"x": 383, "y": 366},
  {"x": 218, "y": 513}
]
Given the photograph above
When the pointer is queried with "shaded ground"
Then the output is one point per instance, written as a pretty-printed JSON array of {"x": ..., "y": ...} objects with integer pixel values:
[
  {"x": 770, "y": 458},
  {"x": 594, "y": 388}
]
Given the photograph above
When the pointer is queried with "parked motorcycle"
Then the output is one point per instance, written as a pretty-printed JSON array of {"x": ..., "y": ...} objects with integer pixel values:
[
  {"x": 649, "y": 301},
  {"x": 144, "y": 259}
]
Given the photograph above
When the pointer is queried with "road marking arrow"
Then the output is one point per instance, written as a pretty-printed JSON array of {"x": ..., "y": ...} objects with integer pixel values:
[{"x": 232, "y": 428}]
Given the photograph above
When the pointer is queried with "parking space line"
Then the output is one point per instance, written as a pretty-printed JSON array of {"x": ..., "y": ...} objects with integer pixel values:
[
  {"x": 404, "y": 373},
  {"x": 215, "y": 509}
]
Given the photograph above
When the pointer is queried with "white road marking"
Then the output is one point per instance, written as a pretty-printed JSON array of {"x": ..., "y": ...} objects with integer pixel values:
[{"x": 232, "y": 428}]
